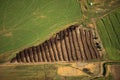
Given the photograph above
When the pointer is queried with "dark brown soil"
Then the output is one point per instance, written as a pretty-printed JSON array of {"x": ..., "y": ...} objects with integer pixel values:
[{"x": 70, "y": 45}]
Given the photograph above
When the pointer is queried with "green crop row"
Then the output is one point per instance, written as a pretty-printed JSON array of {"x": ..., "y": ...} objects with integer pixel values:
[{"x": 109, "y": 31}]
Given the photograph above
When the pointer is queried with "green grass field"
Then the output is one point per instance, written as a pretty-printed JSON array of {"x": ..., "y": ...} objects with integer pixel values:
[
  {"x": 24, "y": 23},
  {"x": 109, "y": 31}
]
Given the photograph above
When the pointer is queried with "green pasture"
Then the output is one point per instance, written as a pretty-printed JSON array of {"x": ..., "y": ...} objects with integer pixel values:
[
  {"x": 109, "y": 31},
  {"x": 24, "y": 23}
]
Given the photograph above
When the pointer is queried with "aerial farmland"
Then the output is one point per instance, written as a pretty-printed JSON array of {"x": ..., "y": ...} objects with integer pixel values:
[{"x": 59, "y": 39}]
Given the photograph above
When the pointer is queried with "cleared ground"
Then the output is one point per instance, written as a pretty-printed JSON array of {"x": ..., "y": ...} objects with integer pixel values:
[{"x": 72, "y": 44}]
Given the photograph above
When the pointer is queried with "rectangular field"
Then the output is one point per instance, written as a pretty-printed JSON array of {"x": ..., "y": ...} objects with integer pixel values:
[
  {"x": 33, "y": 72},
  {"x": 109, "y": 31}
]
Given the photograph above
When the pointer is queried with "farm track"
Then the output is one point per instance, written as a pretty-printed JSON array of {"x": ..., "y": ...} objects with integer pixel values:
[{"x": 70, "y": 45}]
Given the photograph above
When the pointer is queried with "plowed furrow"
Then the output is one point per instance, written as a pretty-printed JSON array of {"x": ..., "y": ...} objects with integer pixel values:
[
  {"x": 22, "y": 56},
  {"x": 35, "y": 54},
  {"x": 40, "y": 59},
  {"x": 31, "y": 55},
  {"x": 72, "y": 45},
  {"x": 47, "y": 51},
  {"x": 58, "y": 46},
  {"x": 88, "y": 44},
  {"x": 66, "y": 43},
  {"x": 18, "y": 58},
  {"x": 93, "y": 45},
  {"x": 76, "y": 47},
  {"x": 54, "y": 49},
  {"x": 43, "y": 53},
  {"x": 64, "y": 51},
  {"x": 13, "y": 60},
  {"x": 43, "y": 60},
  {"x": 51, "y": 50},
  {"x": 26, "y": 55},
  {"x": 80, "y": 46},
  {"x": 84, "y": 44},
  {"x": 89, "y": 38},
  {"x": 68, "y": 48}
]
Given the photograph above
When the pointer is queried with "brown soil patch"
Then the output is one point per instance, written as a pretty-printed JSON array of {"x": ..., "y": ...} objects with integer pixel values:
[
  {"x": 78, "y": 70},
  {"x": 70, "y": 45},
  {"x": 93, "y": 67},
  {"x": 69, "y": 71},
  {"x": 115, "y": 70}
]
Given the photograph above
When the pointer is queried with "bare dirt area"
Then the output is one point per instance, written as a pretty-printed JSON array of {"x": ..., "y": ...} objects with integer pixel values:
[
  {"x": 69, "y": 71},
  {"x": 72, "y": 44},
  {"x": 115, "y": 70},
  {"x": 80, "y": 69}
]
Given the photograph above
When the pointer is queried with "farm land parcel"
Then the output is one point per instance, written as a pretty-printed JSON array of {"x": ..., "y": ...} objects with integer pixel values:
[{"x": 26, "y": 23}]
